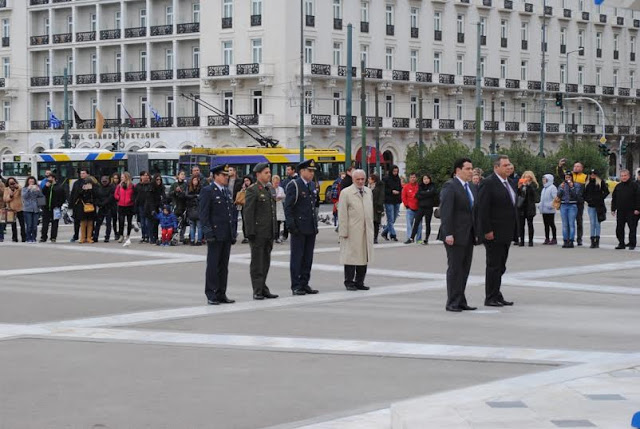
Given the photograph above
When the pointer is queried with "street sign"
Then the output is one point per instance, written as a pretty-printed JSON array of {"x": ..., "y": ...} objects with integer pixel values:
[{"x": 603, "y": 139}]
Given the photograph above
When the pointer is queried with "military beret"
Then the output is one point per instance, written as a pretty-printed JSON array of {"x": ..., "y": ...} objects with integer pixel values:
[
  {"x": 260, "y": 166},
  {"x": 220, "y": 169},
  {"x": 309, "y": 164}
]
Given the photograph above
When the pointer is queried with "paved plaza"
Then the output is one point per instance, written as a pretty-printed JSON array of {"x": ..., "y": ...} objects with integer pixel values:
[{"x": 101, "y": 336}]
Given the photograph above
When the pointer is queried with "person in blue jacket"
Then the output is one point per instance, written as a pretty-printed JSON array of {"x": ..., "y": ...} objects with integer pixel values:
[{"x": 168, "y": 223}]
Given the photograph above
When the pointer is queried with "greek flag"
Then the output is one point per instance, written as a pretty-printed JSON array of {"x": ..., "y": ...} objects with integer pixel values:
[
  {"x": 155, "y": 114},
  {"x": 53, "y": 121}
]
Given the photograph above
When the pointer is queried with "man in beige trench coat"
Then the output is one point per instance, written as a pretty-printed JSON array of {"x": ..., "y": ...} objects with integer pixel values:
[{"x": 355, "y": 229}]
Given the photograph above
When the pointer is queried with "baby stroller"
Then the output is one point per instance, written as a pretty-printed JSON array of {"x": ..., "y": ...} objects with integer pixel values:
[
  {"x": 182, "y": 225},
  {"x": 67, "y": 214}
]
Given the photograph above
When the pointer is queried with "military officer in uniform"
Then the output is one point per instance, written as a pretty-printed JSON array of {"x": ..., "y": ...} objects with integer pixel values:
[
  {"x": 302, "y": 221},
  {"x": 216, "y": 210},
  {"x": 260, "y": 226}
]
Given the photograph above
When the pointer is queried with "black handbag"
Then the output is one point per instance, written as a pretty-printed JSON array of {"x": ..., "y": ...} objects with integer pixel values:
[{"x": 602, "y": 213}]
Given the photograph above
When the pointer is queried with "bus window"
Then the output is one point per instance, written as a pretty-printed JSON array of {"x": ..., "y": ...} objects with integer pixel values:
[
  {"x": 20, "y": 169},
  {"x": 166, "y": 167},
  {"x": 328, "y": 171}
]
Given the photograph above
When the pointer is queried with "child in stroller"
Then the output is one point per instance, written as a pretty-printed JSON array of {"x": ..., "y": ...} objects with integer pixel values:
[{"x": 168, "y": 223}]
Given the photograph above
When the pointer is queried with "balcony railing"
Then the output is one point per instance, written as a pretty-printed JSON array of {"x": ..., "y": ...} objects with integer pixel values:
[
  {"x": 607, "y": 90},
  {"x": 415, "y": 32},
  {"x": 364, "y": 27},
  {"x": 247, "y": 119},
  {"x": 135, "y": 32},
  {"x": 162, "y": 123},
  {"x": 620, "y": 20},
  {"x": 534, "y": 85},
  {"x": 533, "y": 127},
  {"x": 38, "y": 2},
  {"x": 426, "y": 123},
  {"x": 161, "y": 74},
  {"x": 528, "y": 7},
  {"x": 603, "y": 18},
  {"x": 548, "y": 10},
  {"x": 446, "y": 124},
  {"x": 310, "y": 20},
  {"x": 624, "y": 92},
  {"x": 86, "y": 36},
  {"x": 400, "y": 123},
  {"x": 447, "y": 79},
  {"x": 504, "y": 42},
  {"x": 585, "y": 16},
  {"x": 161, "y": 30},
  {"x": 6, "y": 42},
  {"x": 86, "y": 79},
  {"x": 460, "y": 37},
  {"x": 424, "y": 77},
  {"x": 525, "y": 45},
  {"x": 39, "y": 125},
  {"x": 608, "y": 129},
  {"x": 342, "y": 121},
  {"x": 372, "y": 120},
  {"x": 508, "y": 4},
  {"x": 227, "y": 22},
  {"x": 63, "y": 38},
  {"x": 137, "y": 123},
  {"x": 437, "y": 35},
  {"x": 321, "y": 69},
  {"x": 59, "y": 80},
  {"x": 512, "y": 84},
  {"x": 512, "y": 126},
  {"x": 391, "y": 29},
  {"x": 552, "y": 127},
  {"x": 40, "y": 81},
  {"x": 88, "y": 124},
  {"x": 1, "y": 82},
  {"x": 491, "y": 125},
  {"x": 469, "y": 80},
  {"x": 213, "y": 71},
  {"x": 573, "y": 128},
  {"x": 566, "y": 13},
  {"x": 256, "y": 20},
  {"x": 468, "y": 125},
  {"x": 243, "y": 69},
  {"x": 400, "y": 75},
  {"x": 189, "y": 121},
  {"x": 189, "y": 27},
  {"x": 586, "y": 129},
  {"x": 321, "y": 120},
  {"x": 589, "y": 89},
  {"x": 342, "y": 71},
  {"x": 491, "y": 82},
  {"x": 110, "y": 77},
  {"x": 218, "y": 121},
  {"x": 553, "y": 86},
  {"x": 571, "y": 87},
  {"x": 112, "y": 123},
  {"x": 624, "y": 129},
  {"x": 110, "y": 34},
  {"x": 370, "y": 73},
  {"x": 39, "y": 40},
  {"x": 193, "y": 73},
  {"x": 337, "y": 24},
  {"x": 136, "y": 76}
]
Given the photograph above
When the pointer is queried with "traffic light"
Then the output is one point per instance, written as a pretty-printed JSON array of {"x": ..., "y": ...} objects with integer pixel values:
[
  {"x": 604, "y": 149},
  {"x": 559, "y": 99},
  {"x": 114, "y": 147},
  {"x": 623, "y": 149}
]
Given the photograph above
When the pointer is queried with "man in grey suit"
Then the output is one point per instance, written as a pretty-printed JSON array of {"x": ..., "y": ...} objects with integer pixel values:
[{"x": 457, "y": 207}]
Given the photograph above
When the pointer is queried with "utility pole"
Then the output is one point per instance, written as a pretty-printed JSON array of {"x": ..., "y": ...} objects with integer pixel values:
[
  {"x": 301, "y": 80},
  {"x": 66, "y": 109},
  {"x": 347, "y": 131},
  {"x": 420, "y": 141},
  {"x": 543, "y": 75},
  {"x": 377, "y": 132},
  {"x": 478, "y": 91},
  {"x": 363, "y": 114}
]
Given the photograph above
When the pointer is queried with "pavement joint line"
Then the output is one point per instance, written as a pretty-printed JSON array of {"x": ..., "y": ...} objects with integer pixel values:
[
  {"x": 573, "y": 270},
  {"x": 606, "y": 289},
  {"x": 119, "y": 250},
  {"x": 334, "y": 346}
]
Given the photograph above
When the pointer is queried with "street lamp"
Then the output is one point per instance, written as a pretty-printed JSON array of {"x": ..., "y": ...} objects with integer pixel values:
[
  {"x": 119, "y": 129},
  {"x": 566, "y": 93}
]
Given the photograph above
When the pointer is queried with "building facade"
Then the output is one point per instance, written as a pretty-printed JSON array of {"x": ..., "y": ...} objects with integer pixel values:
[{"x": 132, "y": 60}]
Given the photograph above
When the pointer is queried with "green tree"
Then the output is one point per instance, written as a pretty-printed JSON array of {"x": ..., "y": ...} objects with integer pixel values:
[
  {"x": 585, "y": 151},
  {"x": 437, "y": 159}
]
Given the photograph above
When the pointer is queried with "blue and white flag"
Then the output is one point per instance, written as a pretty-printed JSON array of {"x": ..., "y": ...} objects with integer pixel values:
[
  {"x": 155, "y": 114},
  {"x": 53, "y": 121},
  {"x": 599, "y": 2}
]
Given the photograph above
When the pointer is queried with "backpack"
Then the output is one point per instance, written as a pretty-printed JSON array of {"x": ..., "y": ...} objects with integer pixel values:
[{"x": 335, "y": 189}]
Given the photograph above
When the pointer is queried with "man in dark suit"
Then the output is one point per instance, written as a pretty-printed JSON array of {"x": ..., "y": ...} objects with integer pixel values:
[
  {"x": 302, "y": 221},
  {"x": 457, "y": 206},
  {"x": 497, "y": 217},
  {"x": 216, "y": 210}
]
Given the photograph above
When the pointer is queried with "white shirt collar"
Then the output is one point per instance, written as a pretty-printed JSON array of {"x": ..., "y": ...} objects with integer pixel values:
[{"x": 462, "y": 181}]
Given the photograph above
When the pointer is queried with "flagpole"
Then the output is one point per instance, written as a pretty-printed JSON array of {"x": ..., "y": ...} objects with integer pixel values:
[{"x": 66, "y": 109}]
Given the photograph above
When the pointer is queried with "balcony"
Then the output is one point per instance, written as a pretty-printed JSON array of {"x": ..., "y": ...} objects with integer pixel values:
[
  {"x": 400, "y": 75},
  {"x": 483, "y": 40},
  {"x": 110, "y": 77},
  {"x": 256, "y": 20},
  {"x": 59, "y": 80},
  {"x": 460, "y": 37},
  {"x": 446, "y": 124},
  {"x": 548, "y": 10},
  {"x": 63, "y": 38},
  {"x": 563, "y": 49},
  {"x": 193, "y": 73},
  {"x": 525, "y": 45},
  {"x": 86, "y": 79},
  {"x": 589, "y": 89},
  {"x": 469, "y": 80},
  {"x": 337, "y": 24},
  {"x": 88, "y": 124},
  {"x": 38, "y": 2},
  {"x": 112, "y": 123},
  {"x": 571, "y": 88},
  {"x": 603, "y": 18},
  {"x": 86, "y": 36},
  {"x": 534, "y": 85},
  {"x": 491, "y": 125},
  {"x": 161, "y": 74},
  {"x": 508, "y": 4},
  {"x": 492, "y": 82},
  {"x": 342, "y": 121},
  {"x": 364, "y": 27},
  {"x": 227, "y": 22},
  {"x": 6, "y": 42},
  {"x": 624, "y": 130},
  {"x": 39, "y": 40},
  {"x": 189, "y": 121},
  {"x": 608, "y": 90},
  {"x": 609, "y": 129},
  {"x": 136, "y": 76},
  {"x": 423, "y": 77},
  {"x": 512, "y": 126},
  {"x": 247, "y": 119},
  {"x": 486, "y": 3},
  {"x": 162, "y": 123},
  {"x": 400, "y": 123},
  {"x": 503, "y": 42},
  {"x": 528, "y": 7},
  {"x": 136, "y": 122},
  {"x": 632, "y": 56},
  {"x": 586, "y": 129},
  {"x": 624, "y": 92},
  {"x": 371, "y": 121},
  {"x": 468, "y": 125},
  {"x": 552, "y": 127},
  {"x": 321, "y": 69},
  {"x": 512, "y": 84},
  {"x": 616, "y": 55},
  {"x": 566, "y": 13},
  {"x": 585, "y": 16},
  {"x": 161, "y": 30},
  {"x": 40, "y": 81},
  {"x": 415, "y": 32},
  {"x": 370, "y": 73},
  {"x": 192, "y": 27},
  {"x": 598, "y": 52},
  {"x": 218, "y": 121},
  {"x": 533, "y": 127},
  {"x": 437, "y": 35},
  {"x": 321, "y": 120},
  {"x": 390, "y": 30},
  {"x": 446, "y": 79},
  {"x": 110, "y": 34},
  {"x": 636, "y": 23},
  {"x": 135, "y": 32},
  {"x": 553, "y": 86},
  {"x": 247, "y": 69},
  {"x": 39, "y": 125},
  {"x": 342, "y": 71},
  {"x": 619, "y": 21},
  {"x": 2, "y": 82},
  {"x": 310, "y": 20},
  {"x": 426, "y": 123}
]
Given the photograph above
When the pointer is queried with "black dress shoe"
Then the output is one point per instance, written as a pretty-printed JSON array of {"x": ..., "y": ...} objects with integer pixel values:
[
  {"x": 259, "y": 297},
  {"x": 352, "y": 288},
  {"x": 363, "y": 287},
  {"x": 468, "y": 308},
  {"x": 506, "y": 303},
  {"x": 213, "y": 302},
  {"x": 309, "y": 291},
  {"x": 632, "y": 247},
  {"x": 226, "y": 300},
  {"x": 270, "y": 295},
  {"x": 454, "y": 309},
  {"x": 298, "y": 292},
  {"x": 620, "y": 246},
  {"x": 493, "y": 304}
]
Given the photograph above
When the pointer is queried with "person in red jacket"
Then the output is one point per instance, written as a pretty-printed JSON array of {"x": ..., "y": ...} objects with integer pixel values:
[
  {"x": 124, "y": 196},
  {"x": 410, "y": 201}
]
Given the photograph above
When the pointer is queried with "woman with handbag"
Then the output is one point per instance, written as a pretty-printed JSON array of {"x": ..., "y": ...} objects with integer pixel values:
[
  {"x": 3, "y": 212},
  {"x": 32, "y": 196},
  {"x": 526, "y": 204},
  {"x": 124, "y": 195},
  {"x": 88, "y": 211},
  {"x": 193, "y": 214},
  {"x": 548, "y": 209},
  {"x": 595, "y": 192},
  {"x": 13, "y": 200}
]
